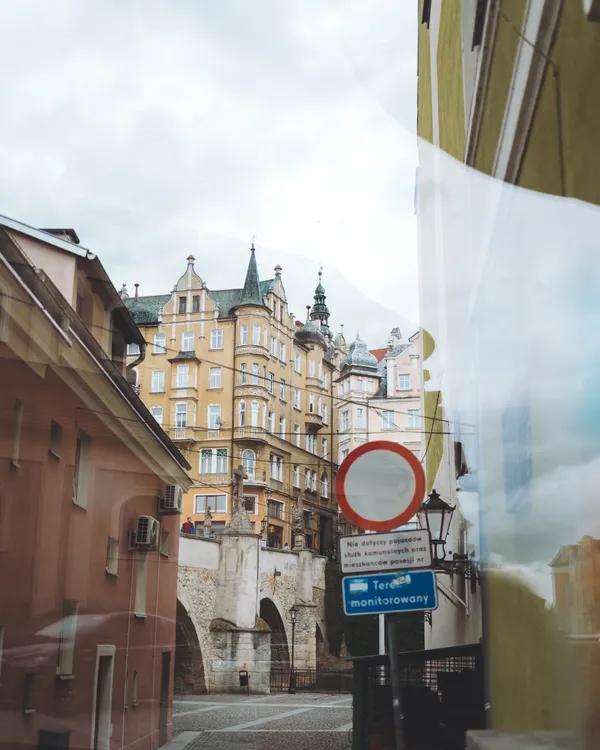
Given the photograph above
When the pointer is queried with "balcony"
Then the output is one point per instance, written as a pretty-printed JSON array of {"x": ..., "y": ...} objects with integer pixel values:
[
  {"x": 256, "y": 350},
  {"x": 257, "y": 478},
  {"x": 252, "y": 390},
  {"x": 314, "y": 382},
  {"x": 250, "y": 433},
  {"x": 313, "y": 419},
  {"x": 181, "y": 434}
]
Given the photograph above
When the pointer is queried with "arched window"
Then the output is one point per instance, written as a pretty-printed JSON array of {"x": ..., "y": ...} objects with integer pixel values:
[
  {"x": 254, "y": 414},
  {"x": 324, "y": 485},
  {"x": 249, "y": 463},
  {"x": 242, "y": 413}
]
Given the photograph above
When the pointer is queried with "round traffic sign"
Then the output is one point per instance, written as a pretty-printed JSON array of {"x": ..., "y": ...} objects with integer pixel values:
[{"x": 380, "y": 485}]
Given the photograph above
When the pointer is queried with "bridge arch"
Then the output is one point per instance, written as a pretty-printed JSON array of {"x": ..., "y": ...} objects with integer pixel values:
[
  {"x": 269, "y": 612},
  {"x": 190, "y": 675}
]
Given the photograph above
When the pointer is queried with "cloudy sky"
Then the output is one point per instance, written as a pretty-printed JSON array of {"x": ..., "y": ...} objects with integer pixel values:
[{"x": 158, "y": 129}]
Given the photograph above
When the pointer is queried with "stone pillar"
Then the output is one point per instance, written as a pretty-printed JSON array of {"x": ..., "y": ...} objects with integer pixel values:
[
  {"x": 305, "y": 651},
  {"x": 304, "y": 577},
  {"x": 237, "y": 643}
]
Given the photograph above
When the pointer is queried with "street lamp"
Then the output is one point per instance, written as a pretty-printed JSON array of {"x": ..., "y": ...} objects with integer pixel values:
[
  {"x": 293, "y": 614},
  {"x": 435, "y": 515}
]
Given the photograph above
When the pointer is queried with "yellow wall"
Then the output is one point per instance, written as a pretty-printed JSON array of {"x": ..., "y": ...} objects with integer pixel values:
[
  {"x": 424, "y": 117},
  {"x": 450, "y": 85}
]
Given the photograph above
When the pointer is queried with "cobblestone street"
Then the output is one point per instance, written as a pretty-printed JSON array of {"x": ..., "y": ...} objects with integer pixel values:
[{"x": 306, "y": 721}]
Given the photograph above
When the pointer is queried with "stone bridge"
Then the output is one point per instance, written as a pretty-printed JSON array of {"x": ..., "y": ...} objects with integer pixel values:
[{"x": 233, "y": 612}]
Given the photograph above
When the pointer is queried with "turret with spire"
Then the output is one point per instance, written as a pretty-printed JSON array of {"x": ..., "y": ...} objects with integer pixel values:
[
  {"x": 251, "y": 292},
  {"x": 320, "y": 311}
]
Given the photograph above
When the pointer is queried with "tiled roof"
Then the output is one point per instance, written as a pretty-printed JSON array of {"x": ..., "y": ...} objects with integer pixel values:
[
  {"x": 379, "y": 354},
  {"x": 227, "y": 299},
  {"x": 145, "y": 309}
]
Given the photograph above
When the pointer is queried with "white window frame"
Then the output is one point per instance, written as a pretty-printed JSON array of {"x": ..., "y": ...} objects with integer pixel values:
[
  {"x": 256, "y": 335},
  {"x": 216, "y": 338},
  {"x": 243, "y": 335},
  {"x": 307, "y": 479},
  {"x": 133, "y": 349},
  {"x": 242, "y": 414},
  {"x": 296, "y": 475},
  {"x": 297, "y": 363},
  {"x": 401, "y": 377},
  {"x": 201, "y": 500},
  {"x": 213, "y": 412},
  {"x": 160, "y": 343},
  {"x": 282, "y": 389},
  {"x": 297, "y": 398},
  {"x": 215, "y": 377},
  {"x": 83, "y": 469},
  {"x": 272, "y": 383},
  {"x": 282, "y": 425},
  {"x": 388, "y": 422},
  {"x": 255, "y": 373},
  {"x": 273, "y": 346},
  {"x": 414, "y": 419},
  {"x": 157, "y": 413},
  {"x": 324, "y": 485},
  {"x": 160, "y": 376},
  {"x": 313, "y": 481},
  {"x": 254, "y": 407},
  {"x": 249, "y": 463},
  {"x": 276, "y": 464},
  {"x": 345, "y": 420},
  {"x": 187, "y": 341},
  {"x": 282, "y": 351},
  {"x": 311, "y": 368},
  {"x": 181, "y": 423},
  {"x": 324, "y": 448},
  {"x": 213, "y": 460},
  {"x": 183, "y": 376},
  {"x": 271, "y": 422},
  {"x": 297, "y": 434},
  {"x": 325, "y": 414},
  {"x": 361, "y": 418},
  {"x": 360, "y": 386},
  {"x": 243, "y": 373},
  {"x": 311, "y": 403},
  {"x": 265, "y": 337}
]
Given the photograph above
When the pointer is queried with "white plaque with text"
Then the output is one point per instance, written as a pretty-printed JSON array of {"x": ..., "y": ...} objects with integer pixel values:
[{"x": 391, "y": 550}]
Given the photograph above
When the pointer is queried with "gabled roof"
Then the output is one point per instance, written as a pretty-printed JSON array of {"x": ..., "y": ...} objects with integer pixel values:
[{"x": 228, "y": 299}]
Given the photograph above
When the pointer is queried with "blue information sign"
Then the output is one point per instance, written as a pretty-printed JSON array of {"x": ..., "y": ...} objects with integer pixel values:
[{"x": 380, "y": 593}]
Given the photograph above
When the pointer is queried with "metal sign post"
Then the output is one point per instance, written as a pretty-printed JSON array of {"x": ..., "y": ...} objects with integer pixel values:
[{"x": 396, "y": 687}]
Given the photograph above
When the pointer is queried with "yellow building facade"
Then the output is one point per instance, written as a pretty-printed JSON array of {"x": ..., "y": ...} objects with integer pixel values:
[{"x": 237, "y": 382}]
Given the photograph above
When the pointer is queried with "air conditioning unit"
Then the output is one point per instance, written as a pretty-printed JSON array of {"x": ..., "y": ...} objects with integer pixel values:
[
  {"x": 172, "y": 502},
  {"x": 146, "y": 533}
]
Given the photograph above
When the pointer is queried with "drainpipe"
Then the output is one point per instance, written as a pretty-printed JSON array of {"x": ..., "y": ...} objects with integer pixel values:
[{"x": 140, "y": 359}]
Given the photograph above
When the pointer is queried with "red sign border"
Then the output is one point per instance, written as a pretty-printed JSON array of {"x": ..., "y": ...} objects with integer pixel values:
[{"x": 407, "y": 513}]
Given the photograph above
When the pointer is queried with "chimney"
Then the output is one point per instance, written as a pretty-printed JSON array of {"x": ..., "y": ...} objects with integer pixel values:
[{"x": 136, "y": 285}]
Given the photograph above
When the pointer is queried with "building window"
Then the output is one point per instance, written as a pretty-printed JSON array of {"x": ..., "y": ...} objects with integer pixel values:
[
  {"x": 251, "y": 504},
  {"x": 276, "y": 468},
  {"x": 313, "y": 481},
  {"x": 215, "y": 377},
  {"x": 360, "y": 417},
  {"x": 311, "y": 368},
  {"x": 187, "y": 341},
  {"x": 56, "y": 438},
  {"x": 276, "y": 509},
  {"x": 255, "y": 372},
  {"x": 404, "y": 383},
  {"x": 345, "y": 420},
  {"x": 160, "y": 341},
  {"x": 414, "y": 419},
  {"x": 157, "y": 413},
  {"x": 181, "y": 415},
  {"x": 297, "y": 363},
  {"x": 273, "y": 346},
  {"x": 243, "y": 334},
  {"x": 265, "y": 337},
  {"x": 359, "y": 385},
  {"x": 182, "y": 305},
  {"x": 325, "y": 381},
  {"x": 282, "y": 389},
  {"x": 282, "y": 428},
  {"x": 324, "y": 413},
  {"x": 307, "y": 480},
  {"x": 264, "y": 416},
  {"x": 324, "y": 448},
  {"x": 112, "y": 556},
  {"x": 214, "y": 503},
  {"x": 249, "y": 463},
  {"x": 216, "y": 339},
  {"x": 141, "y": 585},
  {"x": 242, "y": 420},
  {"x": 133, "y": 349},
  {"x": 83, "y": 467},
  {"x": 296, "y": 398},
  {"x": 271, "y": 421},
  {"x": 243, "y": 373},
  {"x": 311, "y": 403},
  {"x": 158, "y": 381},
  {"x": 256, "y": 335},
  {"x": 388, "y": 420},
  {"x": 417, "y": 454},
  {"x": 297, "y": 434},
  {"x": 164, "y": 542},
  {"x": 213, "y": 461},
  {"x": 68, "y": 631},
  {"x": 254, "y": 414},
  {"x": 196, "y": 303},
  {"x": 183, "y": 372},
  {"x": 344, "y": 454},
  {"x": 296, "y": 476},
  {"x": 282, "y": 351},
  {"x": 324, "y": 485},
  {"x": 271, "y": 383},
  {"x": 346, "y": 385},
  {"x": 214, "y": 416}
]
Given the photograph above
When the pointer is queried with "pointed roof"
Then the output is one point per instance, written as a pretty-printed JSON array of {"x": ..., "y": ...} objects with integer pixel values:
[{"x": 251, "y": 291}]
